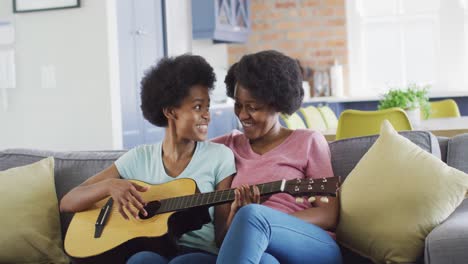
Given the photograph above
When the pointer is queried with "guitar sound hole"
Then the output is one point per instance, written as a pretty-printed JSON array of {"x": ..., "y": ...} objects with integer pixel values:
[{"x": 151, "y": 208}]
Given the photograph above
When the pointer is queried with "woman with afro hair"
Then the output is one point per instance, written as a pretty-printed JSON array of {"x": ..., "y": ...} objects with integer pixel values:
[
  {"x": 278, "y": 229},
  {"x": 174, "y": 95}
]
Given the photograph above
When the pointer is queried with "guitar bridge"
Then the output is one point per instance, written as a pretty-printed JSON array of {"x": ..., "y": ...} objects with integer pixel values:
[{"x": 102, "y": 218}]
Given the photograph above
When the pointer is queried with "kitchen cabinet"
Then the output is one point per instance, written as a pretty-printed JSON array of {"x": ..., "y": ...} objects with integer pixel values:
[{"x": 221, "y": 20}]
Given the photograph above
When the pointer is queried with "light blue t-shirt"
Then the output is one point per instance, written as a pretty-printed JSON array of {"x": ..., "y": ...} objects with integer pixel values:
[{"x": 210, "y": 164}]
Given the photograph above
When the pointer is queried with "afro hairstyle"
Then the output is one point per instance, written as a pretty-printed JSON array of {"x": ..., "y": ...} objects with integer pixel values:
[
  {"x": 270, "y": 77},
  {"x": 169, "y": 82}
]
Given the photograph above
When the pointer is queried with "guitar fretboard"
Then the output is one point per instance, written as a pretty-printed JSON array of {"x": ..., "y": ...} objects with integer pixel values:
[{"x": 211, "y": 198}]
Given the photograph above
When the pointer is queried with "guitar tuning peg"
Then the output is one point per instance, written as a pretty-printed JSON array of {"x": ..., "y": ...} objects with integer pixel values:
[
  {"x": 324, "y": 199},
  {"x": 299, "y": 200},
  {"x": 311, "y": 199}
]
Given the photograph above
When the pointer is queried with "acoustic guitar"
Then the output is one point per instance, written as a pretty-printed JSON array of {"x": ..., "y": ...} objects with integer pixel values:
[{"x": 174, "y": 208}]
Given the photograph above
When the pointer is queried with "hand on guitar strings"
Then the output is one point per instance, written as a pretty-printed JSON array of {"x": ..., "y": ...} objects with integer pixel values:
[{"x": 126, "y": 195}]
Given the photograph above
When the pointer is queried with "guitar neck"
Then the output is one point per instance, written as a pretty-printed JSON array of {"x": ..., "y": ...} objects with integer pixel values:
[{"x": 213, "y": 198}]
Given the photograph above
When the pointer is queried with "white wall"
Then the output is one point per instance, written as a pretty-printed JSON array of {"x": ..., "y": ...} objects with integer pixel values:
[
  {"x": 76, "y": 115},
  {"x": 178, "y": 27},
  {"x": 217, "y": 56}
]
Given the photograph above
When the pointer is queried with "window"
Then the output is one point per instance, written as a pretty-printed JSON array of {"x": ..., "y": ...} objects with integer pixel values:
[{"x": 393, "y": 43}]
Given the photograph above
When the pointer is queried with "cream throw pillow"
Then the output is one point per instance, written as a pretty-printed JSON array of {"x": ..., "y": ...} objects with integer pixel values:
[
  {"x": 394, "y": 197},
  {"x": 30, "y": 217}
]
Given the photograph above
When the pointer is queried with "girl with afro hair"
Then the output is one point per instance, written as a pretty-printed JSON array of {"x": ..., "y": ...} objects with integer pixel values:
[{"x": 174, "y": 95}]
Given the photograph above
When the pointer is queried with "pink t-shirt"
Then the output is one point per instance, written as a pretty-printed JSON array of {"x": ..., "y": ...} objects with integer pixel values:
[{"x": 304, "y": 154}]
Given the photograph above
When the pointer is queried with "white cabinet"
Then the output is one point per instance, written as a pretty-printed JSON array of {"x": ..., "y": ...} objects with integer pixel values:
[{"x": 141, "y": 45}]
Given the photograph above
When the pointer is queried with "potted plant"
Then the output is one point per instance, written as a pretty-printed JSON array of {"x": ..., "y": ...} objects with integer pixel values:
[{"x": 414, "y": 100}]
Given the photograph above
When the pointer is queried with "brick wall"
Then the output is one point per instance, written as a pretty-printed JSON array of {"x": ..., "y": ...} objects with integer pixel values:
[{"x": 313, "y": 31}]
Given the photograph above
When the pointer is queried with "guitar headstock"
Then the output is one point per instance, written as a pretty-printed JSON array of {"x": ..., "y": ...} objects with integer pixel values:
[{"x": 320, "y": 187}]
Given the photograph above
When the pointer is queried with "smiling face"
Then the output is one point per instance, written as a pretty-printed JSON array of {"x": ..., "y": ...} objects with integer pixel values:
[
  {"x": 257, "y": 118},
  {"x": 192, "y": 116}
]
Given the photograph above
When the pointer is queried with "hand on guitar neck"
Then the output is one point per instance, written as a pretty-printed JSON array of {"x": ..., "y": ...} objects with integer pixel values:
[{"x": 243, "y": 195}]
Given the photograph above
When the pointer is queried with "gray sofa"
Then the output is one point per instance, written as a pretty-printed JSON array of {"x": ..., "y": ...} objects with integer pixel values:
[{"x": 448, "y": 243}]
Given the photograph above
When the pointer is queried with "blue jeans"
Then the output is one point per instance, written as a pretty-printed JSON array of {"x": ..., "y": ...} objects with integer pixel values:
[
  {"x": 147, "y": 257},
  {"x": 185, "y": 255},
  {"x": 258, "y": 229}
]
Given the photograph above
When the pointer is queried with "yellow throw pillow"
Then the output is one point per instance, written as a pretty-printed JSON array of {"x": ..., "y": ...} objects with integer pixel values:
[
  {"x": 394, "y": 197},
  {"x": 30, "y": 217}
]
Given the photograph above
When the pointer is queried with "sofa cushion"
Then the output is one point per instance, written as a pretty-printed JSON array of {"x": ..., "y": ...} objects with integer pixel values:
[
  {"x": 457, "y": 152},
  {"x": 30, "y": 216},
  {"x": 447, "y": 243},
  {"x": 443, "y": 143},
  {"x": 71, "y": 168},
  {"x": 394, "y": 197},
  {"x": 346, "y": 153}
]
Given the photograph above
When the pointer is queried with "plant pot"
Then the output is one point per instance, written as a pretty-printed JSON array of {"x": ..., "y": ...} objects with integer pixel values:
[{"x": 414, "y": 116}]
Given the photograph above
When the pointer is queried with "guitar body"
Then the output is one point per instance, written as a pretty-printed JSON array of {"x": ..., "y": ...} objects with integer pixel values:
[
  {"x": 122, "y": 238},
  {"x": 174, "y": 208}
]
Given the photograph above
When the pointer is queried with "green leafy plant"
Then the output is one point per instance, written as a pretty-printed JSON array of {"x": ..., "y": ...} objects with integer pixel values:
[{"x": 412, "y": 97}]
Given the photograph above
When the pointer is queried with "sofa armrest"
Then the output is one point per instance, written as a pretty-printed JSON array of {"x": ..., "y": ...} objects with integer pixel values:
[{"x": 448, "y": 242}]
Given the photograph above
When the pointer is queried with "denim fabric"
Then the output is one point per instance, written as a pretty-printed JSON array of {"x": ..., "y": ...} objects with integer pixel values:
[
  {"x": 257, "y": 229},
  {"x": 147, "y": 257},
  {"x": 185, "y": 255}
]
